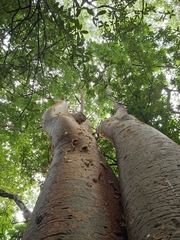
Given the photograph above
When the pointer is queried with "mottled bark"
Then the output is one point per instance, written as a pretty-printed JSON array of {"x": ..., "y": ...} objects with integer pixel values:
[
  {"x": 149, "y": 169},
  {"x": 80, "y": 198}
]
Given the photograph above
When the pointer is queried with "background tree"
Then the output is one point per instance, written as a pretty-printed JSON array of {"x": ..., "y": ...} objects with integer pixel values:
[{"x": 50, "y": 50}]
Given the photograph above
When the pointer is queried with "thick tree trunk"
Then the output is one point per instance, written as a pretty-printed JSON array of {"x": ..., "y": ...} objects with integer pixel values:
[
  {"x": 149, "y": 169},
  {"x": 80, "y": 198}
]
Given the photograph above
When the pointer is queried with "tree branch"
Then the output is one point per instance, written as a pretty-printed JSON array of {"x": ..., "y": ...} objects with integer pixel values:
[
  {"x": 18, "y": 201},
  {"x": 118, "y": 107}
]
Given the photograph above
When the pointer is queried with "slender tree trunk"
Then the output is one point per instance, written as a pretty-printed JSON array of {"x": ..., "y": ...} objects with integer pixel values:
[
  {"x": 149, "y": 169},
  {"x": 80, "y": 198}
]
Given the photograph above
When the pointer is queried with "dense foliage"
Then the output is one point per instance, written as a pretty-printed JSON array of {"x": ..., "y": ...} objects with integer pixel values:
[{"x": 50, "y": 50}]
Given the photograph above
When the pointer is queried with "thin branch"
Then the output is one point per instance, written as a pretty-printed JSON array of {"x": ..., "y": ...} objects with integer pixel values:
[
  {"x": 112, "y": 159},
  {"x": 35, "y": 23},
  {"x": 143, "y": 66},
  {"x": 18, "y": 201},
  {"x": 170, "y": 90},
  {"x": 117, "y": 105},
  {"x": 142, "y": 10},
  {"x": 26, "y": 106},
  {"x": 82, "y": 97},
  {"x": 54, "y": 16},
  {"x": 11, "y": 128},
  {"x": 176, "y": 112},
  {"x": 21, "y": 21},
  {"x": 76, "y": 97}
]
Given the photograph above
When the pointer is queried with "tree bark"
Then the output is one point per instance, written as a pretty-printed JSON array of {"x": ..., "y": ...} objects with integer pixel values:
[
  {"x": 149, "y": 164},
  {"x": 80, "y": 198}
]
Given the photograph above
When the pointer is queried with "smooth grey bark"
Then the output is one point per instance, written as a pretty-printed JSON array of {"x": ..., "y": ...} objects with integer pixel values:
[
  {"x": 80, "y": 197},
  {"x": 149, "y": 170}
]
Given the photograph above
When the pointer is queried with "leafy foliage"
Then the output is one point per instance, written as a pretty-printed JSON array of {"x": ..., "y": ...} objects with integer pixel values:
[{"x": 50, "y": 50}]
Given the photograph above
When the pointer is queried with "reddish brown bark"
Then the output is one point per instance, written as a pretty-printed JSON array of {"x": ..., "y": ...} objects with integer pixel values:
[
  {"x": 149, "y": 164},
  {"x": 80, "y": 198}
]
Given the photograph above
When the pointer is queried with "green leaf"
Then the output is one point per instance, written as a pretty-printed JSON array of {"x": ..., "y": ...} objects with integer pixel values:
[
  {"x": 90, "y": 11},
  {"x": 102, "y": 12},
  {"x": 84, "y": 32}
]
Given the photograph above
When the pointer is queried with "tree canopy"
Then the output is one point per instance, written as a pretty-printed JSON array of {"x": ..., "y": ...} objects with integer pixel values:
[{"x": 52, "y": 50}]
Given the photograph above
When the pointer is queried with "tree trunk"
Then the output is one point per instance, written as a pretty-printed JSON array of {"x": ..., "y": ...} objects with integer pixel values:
[
  {"x": 149, "y": 164},
  {"x": 80, "y": 198}
]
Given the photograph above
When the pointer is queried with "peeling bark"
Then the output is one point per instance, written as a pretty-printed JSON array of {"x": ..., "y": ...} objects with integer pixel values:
[
  {"x": 80, "y": 198},
  {"x": 149, "y": 164}
]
